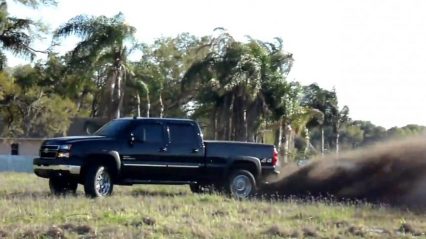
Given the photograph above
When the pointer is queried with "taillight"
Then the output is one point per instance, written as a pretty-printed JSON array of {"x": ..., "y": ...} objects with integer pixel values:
[{"x": 275, "y": 157}]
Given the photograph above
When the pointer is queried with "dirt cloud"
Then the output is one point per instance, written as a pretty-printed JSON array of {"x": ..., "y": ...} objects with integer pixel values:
[{"x": 392, "y": 172}]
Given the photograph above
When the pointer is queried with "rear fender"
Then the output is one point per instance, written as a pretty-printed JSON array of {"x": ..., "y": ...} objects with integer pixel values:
[{"x": 255, "y": 162}]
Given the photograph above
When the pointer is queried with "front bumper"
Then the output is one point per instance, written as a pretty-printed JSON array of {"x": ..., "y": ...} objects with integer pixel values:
[
  {"x": 55, "y": 167},
  {"x": 71, "y": 169}
]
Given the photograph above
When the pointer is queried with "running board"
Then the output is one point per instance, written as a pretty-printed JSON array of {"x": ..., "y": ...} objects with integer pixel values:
[{"x": 135, "y": 181}]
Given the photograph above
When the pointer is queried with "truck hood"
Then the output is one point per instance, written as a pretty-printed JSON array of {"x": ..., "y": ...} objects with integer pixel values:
[{"x": 72, "y": 139}]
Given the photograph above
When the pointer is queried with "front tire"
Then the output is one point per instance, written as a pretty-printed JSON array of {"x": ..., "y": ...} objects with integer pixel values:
[
  {"x": 98, "y": 181},
  {"x": 196, "y": 188},
  {"x": 241, "y": 184},
  {"x": 62, "y": 186},
  {"x": 202, "y": 188}
]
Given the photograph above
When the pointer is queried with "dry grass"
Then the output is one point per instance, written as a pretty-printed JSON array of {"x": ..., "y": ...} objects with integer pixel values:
[{"x": 28, "y": 211}]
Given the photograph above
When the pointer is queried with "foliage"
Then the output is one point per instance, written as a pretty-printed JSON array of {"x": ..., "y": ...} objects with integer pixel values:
[
  {"x": 104, "y": 50},
  {"x": 17, "y": 34},
  {"x": 27, "y": 110},
  {"x": 233, "y": 80}
]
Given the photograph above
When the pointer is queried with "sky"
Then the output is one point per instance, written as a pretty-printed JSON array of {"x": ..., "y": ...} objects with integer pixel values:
[{"x": 373, "y": 52}]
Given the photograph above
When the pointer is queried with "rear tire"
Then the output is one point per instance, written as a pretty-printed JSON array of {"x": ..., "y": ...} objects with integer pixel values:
[
  {"x": 62, "y": 186},
  {"x": 98, "y": 181},
  {"x": 241, "y": 184}
]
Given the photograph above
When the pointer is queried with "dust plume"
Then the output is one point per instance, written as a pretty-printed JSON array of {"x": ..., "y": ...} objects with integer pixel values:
[{"x": 392, "y": 172}]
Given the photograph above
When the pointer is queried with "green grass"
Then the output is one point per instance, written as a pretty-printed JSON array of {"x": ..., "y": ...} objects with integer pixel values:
[{"x": 28, "y": 211}]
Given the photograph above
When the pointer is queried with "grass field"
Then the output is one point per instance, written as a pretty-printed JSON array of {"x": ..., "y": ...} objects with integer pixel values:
[{"x": 28, "y": 211}]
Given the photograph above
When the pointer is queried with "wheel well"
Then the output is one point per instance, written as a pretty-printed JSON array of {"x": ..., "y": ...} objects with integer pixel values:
[
  {"x": 106, "y": 160},
  {"x": 244, "y": 165}
]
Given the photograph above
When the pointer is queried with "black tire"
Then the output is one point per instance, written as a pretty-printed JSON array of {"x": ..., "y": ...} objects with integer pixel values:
[
  {"x": 196, "y": 188},
  {"x": 241, "y": 184},
  {"x": 62, "y": 186},
  {"x": 98, "y": 181},
  {"x": 205, "y": 188}
]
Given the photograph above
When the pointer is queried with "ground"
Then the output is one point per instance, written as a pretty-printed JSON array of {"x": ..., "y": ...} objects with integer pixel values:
[{"x": 27, "y": 210}]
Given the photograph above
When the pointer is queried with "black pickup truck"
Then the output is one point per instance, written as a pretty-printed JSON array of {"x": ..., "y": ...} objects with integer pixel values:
[{"x": 130, "y": 151}]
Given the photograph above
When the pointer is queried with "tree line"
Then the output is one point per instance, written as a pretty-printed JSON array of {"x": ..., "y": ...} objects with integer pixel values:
[{"x": 236, "y": 89}]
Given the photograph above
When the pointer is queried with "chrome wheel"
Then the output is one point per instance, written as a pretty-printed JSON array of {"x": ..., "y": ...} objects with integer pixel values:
[
  {"x": 103, "y": 182},
  {"x": 241, "y": 186}
]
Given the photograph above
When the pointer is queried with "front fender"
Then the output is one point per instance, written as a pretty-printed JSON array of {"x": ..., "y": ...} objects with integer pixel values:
[
  {"x": 112, "y": 157},
  {"x": 117, "y": 159}
]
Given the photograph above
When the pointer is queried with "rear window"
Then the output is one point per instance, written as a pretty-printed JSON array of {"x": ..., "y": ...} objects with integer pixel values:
[{"x": 182, "y": 134}]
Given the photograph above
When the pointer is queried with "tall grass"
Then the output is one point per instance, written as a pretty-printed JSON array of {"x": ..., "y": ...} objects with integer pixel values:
[{"x": 27, "y": 210}]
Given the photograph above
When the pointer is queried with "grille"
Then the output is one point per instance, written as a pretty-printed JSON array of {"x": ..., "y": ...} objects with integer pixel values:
[{"x": 48, "y": 151}]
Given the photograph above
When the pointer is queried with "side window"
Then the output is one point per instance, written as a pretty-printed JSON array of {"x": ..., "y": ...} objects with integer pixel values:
[
  {"x": 149, "y": 133},
  {"x": 182, "y": 134}
]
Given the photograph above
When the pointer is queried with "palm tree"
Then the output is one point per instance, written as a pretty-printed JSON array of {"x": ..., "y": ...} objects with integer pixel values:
[
  {"x": 104, "y": 43},
  {"x": 232, "y": 80},
  {"x": 325, "y": 101},
  {"x": 16, "y": 34}
]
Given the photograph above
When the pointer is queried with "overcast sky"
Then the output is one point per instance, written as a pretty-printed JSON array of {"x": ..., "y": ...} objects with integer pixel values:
[{"x": 372, "y": 51}]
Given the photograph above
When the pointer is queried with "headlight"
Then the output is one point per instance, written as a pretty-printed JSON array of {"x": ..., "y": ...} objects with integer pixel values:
[
  {"x": 63, "y": 155},
  {"x": 64, "y": 151}
]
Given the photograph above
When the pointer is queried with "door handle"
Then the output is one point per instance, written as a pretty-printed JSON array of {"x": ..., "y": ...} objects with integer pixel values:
[
  {"x": 196, "y": 150},
  {"x": 163, "y": 149}
]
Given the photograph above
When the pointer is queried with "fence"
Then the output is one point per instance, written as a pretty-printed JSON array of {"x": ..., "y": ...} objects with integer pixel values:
[{"x": 16, "y": 163}]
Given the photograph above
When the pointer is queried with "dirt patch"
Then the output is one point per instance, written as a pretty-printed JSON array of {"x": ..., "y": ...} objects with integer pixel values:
[
  {"x": 278, "y": 231},
  {"x": 356, "y": 231},
  {"x": 54, "y": 232},
  {"x": 407, "y": 228},
  {"x": 149, "y": 221},
  {"x": 393, "y": 172},
  {"x": 79, "y": 229},
  {"x": 3, "y": 234},
  {"x": 31, "y": 234},
  {"x": 220, "y": 213}
]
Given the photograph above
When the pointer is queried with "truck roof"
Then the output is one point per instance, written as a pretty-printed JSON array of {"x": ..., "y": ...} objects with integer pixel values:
[{"x": 157, "y": 119}]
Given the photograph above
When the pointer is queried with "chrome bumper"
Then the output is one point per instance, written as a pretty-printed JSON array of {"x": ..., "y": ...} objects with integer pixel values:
[{"x": 72, "y": 169}]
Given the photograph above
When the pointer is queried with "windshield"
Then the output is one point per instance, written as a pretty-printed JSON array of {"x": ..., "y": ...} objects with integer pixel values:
[{"x": 112, "y": 128}]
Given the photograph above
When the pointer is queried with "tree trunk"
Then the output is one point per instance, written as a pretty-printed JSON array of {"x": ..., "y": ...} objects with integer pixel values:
[
  {"x": 322, "y": 141},
  {"x": 148, "y": 105},
  {"x": 280, "y": 137},
  {"x": 227, "y": 117},
  {"x": 287, "y": 137},
  {"x": 337, "y": 143},
  {"x": 239, "y": 119},
  {"x": 307, "y": 142},
  {"x": 245, "y": 125},
  {"x": 213, "y": 123},
  {"x": 161, "y": 106},
  {"x": 81, "y": 99},
  {"x": 119, "y": 98},
  {"x": 138, "y": 102}
]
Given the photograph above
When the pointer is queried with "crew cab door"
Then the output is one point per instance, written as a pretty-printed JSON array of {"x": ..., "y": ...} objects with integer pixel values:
[
  {"x": 185, "y": 151},
  {"x": 143, "y": 159}
]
